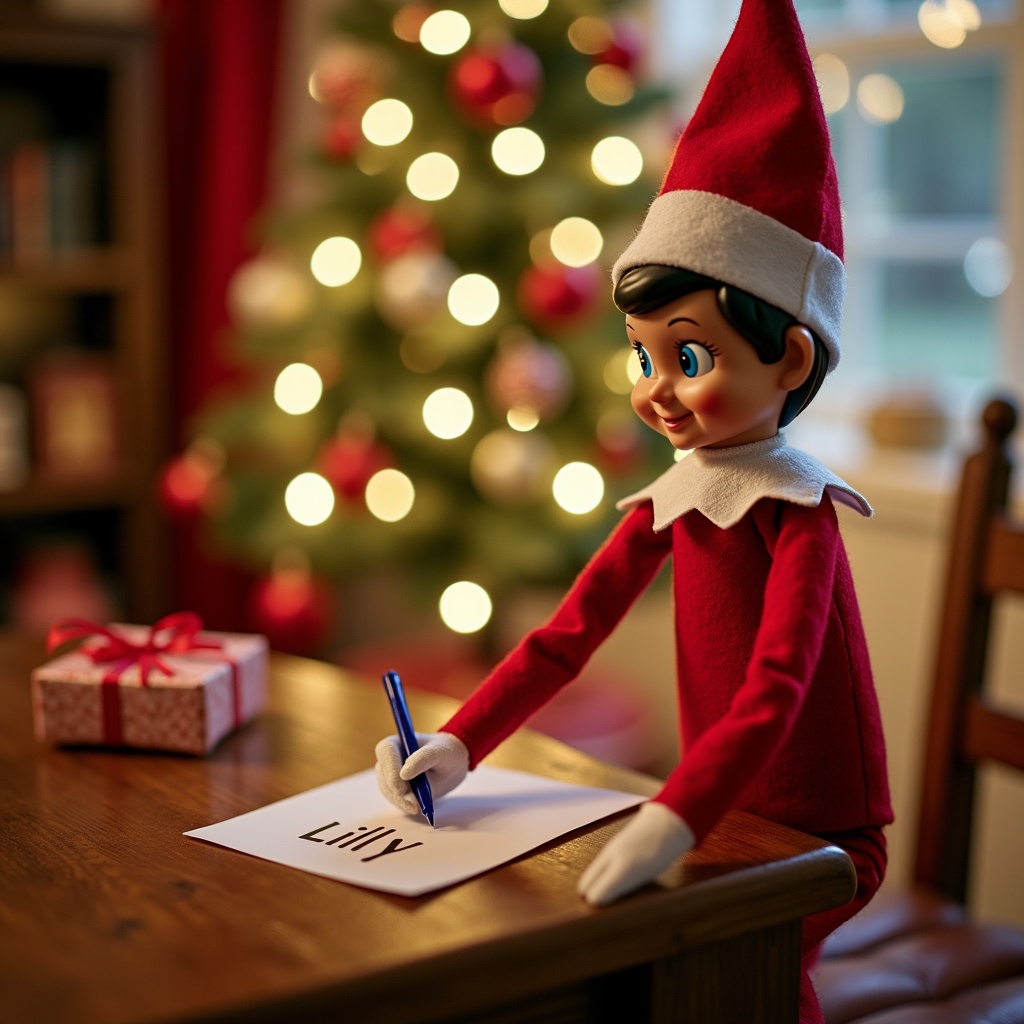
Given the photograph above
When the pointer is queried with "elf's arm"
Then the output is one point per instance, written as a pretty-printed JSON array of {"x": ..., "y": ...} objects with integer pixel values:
[
  {"x": 732, "y": 753},
  {"x": 552, "y": 655},
  {"x": 544, "y": 661}
]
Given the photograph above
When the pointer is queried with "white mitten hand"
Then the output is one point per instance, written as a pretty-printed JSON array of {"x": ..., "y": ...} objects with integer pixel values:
[
  {"x": 636, "y": 855},
  {"x": 441, "y": 755}
]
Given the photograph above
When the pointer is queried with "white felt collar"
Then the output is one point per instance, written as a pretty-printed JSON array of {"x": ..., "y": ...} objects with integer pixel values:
[{"x": 724, "y": 483}]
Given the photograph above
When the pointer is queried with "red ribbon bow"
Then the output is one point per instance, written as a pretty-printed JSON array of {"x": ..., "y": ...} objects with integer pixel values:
[{"x": 173, "y": 634}]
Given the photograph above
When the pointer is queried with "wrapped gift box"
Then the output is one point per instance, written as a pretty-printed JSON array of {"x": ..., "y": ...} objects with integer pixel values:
[{"x": 211, "y": 691}]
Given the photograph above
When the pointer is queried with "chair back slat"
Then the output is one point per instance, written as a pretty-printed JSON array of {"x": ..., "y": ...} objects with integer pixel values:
[
  {"x": 993, "y": 734},
  {"x": 1004, "y": 562},
  {"x": 962, "y": 726}
]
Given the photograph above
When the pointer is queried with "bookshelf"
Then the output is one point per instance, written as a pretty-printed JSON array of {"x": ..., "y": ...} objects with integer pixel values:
[{"x": 83, "y": 371}]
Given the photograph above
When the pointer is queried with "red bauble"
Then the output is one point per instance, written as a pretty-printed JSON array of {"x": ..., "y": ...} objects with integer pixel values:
[
  {"x": 293, "y": 610},
  {"x": 185, "y": 486},
  {"x": 498, "y": 85},
  {"x": 400, "y": 229},
  {"x": 342, "y": 138},
  {"x": 348, "y": 462},
  {"x": 555, "y": 296},
  {"x": 626, "y": 48}
]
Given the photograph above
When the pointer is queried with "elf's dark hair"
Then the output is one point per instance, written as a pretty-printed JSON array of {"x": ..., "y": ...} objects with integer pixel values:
[{"x": 642, "y": 290}]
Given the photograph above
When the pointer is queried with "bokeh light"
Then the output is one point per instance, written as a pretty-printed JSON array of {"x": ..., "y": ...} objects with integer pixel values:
[
  {"x": 578, "y": 488},
  {"x": 590, "y": 35},
  {"x": 517, "y": 151},
  {"x": 298, "y": 388},
  {"x": 465, "y": 607},
  {"x": 445, "y": 32},
  {"x": 387, "y": 122},
  {"x": 576, "y": 241},
  {"x": 432, "y": 176},
  {"x": 880, "y": 99},
  {"x": 833, "y": 82},
  {"x": 473, "y": 299},
  {"x": 335, "y": 261},
  {"x": 448, "y": 413},
  {"x": 617, "y": 160},
  {"x": 523, "y": 10},
  {"x": 389, "y": 495},
  {"x": 309, "y": 499},
  {"x": 988, "y": 267},
  {"x": 611, "y": 85},
  {"x": 945, "y": 23},
  {"x": 522, "y": 418}
]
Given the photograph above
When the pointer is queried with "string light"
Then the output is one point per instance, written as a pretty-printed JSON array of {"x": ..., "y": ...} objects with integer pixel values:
[
  {"x": 309, "y": 499},
  {"x": 432, "y": 176},
  {"x": 880, "y": 99},
  {"x": 335, "y": 261},
  {"x": 448, "y": 413},
  {"x": 387, "y": 122},
  {"x": 833, "y": 82},
  {"x": 576, "y": 241},
  {"x": 945, "y": 23},
  {"x": 445, "y": 32},
  {"x": 389, "y": 495},
  {"x": 616, "y": 161},
  {"x": 465, "y": 607},
  {"x": 617, "y": 371},
  {"x": 609, "y": 84},
  {"x": 517, "y": 151},
  {"x": 298, "y": 389},
  {"x": 590, "y": 35},
  {"x": 578, "y": 488},
  {"x": 473, "y": 299},
  {"x": 522, "y": 418},
  {"x": 523, "y": 10},
  {"x": 988, "y": 267}
]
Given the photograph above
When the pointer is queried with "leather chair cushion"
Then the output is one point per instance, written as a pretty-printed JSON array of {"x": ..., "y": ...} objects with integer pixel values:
[{"x": 917, "y": 954}]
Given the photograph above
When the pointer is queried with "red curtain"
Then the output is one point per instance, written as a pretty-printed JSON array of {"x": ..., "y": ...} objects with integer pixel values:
[{"x": 220, "y": 73}]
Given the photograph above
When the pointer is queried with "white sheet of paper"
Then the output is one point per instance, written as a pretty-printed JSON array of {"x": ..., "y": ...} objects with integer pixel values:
[{"x": 348, "y": 831}]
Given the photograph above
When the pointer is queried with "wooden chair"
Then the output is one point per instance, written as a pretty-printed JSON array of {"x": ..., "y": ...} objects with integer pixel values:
[{"x": 917, "y": 957}]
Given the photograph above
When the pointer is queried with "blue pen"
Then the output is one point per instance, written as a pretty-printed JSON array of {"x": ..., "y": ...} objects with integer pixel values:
[{"x": 407, "y": 741}]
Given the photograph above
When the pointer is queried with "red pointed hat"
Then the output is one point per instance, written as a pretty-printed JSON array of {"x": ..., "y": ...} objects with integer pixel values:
[{"x": 751, "y": 197}]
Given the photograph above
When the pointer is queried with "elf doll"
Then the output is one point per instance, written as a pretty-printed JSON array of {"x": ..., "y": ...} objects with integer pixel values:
[{"x": 732, "y": 291}]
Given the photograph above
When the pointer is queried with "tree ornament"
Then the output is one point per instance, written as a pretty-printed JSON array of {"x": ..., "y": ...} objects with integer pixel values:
[
  {"x": 413, "y": 288},
  {"x": 625, "y": 48},
  {"x": 189, "y": 484},
  {"x": 292, "y": 608},
  {"x": 509, "y": 468},
  {"x": 347, "y": 77},
  {"x": 348, "y": 461},
  {"x": 268, "y": 293},
  {"x": 342, "y": 137},
  {"x": 528, "y": 375},
  {"x": 401, "y": 229},
  {"x": 557, "y": 297},
  {"x": 497, "y": 85},
  {"x": 619, "y": 448}
]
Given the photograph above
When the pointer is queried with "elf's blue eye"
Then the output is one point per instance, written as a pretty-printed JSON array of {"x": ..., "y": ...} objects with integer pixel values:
[
  {"x": 695, "y": 360},
  {"x": 645, "y": 360}
]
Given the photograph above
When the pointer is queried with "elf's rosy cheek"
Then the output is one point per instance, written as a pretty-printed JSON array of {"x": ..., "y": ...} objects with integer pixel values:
[{"x": 709, "y": 405}]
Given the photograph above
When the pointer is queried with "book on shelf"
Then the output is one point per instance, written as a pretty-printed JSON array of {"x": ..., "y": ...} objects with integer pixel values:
[{"x": 49, "y": 199}]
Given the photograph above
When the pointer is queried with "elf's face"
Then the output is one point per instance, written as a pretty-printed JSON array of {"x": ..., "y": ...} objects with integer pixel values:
[{"x": 703, "y": 385}]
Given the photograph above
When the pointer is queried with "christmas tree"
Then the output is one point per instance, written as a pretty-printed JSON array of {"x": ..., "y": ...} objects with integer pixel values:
[{"x": 440, "y": 377}]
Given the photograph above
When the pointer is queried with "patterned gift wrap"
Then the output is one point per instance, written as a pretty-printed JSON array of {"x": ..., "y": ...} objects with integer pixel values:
[{"x": 158, "y": 688}]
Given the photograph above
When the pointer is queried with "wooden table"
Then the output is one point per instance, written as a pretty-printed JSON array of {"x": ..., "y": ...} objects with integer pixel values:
[{"x": 108, "y": 914}]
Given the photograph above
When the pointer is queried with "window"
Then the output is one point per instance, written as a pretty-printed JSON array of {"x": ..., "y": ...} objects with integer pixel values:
[{"x": 929, "y": 142}]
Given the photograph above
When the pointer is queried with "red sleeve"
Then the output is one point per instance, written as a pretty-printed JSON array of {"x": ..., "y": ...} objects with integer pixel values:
[
  {"x": 552, "y": 655},
  {"x": 720, "y": 765}
]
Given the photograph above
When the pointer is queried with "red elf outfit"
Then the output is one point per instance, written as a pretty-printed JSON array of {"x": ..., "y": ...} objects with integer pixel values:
[{"x": 777, "y": 709}]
